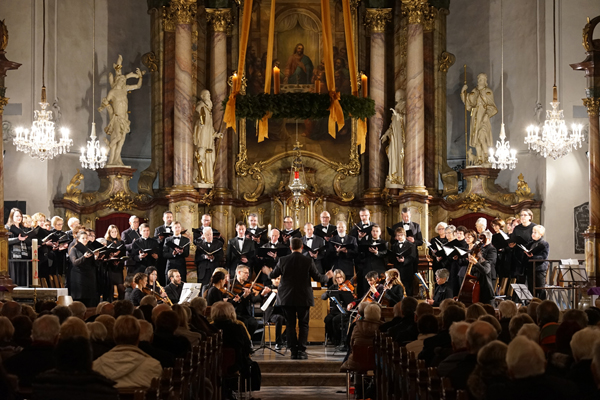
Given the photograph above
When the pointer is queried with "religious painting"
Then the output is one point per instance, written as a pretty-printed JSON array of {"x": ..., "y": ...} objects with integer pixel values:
[{"x": 298, "y": 53}]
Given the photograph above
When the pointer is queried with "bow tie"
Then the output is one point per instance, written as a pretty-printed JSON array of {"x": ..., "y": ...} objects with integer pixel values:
[
  {"x": 309, "y": 238},
  {"x": 406, "y": 223},
  {"x": 176, "y": 237},
  {"x": 242, "y": 239},
  {"x": 208, "y": 243},
  {"x": 400, "y": 243}
]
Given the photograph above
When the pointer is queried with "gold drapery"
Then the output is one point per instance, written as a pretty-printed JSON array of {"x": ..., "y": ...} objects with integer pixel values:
[
  {"x": 336, "y": 114},
  {"x": 229, "y": 116},
  {"x": 263, "y": 125}
]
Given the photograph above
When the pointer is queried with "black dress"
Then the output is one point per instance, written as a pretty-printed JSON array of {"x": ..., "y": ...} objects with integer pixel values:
[
  {"x": 17, "y": 252},
  {"x": 214, "y": 295},
  {"x": 83, "y": 276}
]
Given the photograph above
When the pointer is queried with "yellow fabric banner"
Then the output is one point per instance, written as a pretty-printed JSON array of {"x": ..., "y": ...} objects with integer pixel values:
[
  {"x": 336, "y": 114},
  {"x": 229, "y": 116},
  {"x": 263, "y": 125}
]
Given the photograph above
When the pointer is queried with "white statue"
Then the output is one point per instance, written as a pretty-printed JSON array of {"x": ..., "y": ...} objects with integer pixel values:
[
  {"x": 481, "y": 104},
  {"x": 397, "y": 137},
  {"x": 204, "y": 140},
  {"x": 116, "y": 104}
]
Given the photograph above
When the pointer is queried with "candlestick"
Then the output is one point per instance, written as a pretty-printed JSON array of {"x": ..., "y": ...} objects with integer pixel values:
[
  {"x": 363, "y": 82},
  {"x": 34, "y": 262},
  {"x": 276, "y": 80},
  {"x": 317, "y": 86}
]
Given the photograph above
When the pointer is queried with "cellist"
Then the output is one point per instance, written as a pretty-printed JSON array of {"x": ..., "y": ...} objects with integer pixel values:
[{"x": 483, "y": 266}]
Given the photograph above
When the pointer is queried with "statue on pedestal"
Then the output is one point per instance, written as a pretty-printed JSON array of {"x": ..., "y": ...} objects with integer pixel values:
[
  {"x": 481, "y": 104},
  {"x": 116, "y": 104},
  {"x": 397, "y": 137},
  {"x": 204, "y": 141}
]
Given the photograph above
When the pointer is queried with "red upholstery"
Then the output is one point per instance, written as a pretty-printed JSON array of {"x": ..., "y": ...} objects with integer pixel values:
[
  {"x": 121, "y": 220},
  {"x": 468, "y": 220}
]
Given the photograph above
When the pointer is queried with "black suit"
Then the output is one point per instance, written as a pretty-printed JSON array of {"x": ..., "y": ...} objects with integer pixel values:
[
  {"x": 177, "y": 262},
  {"x": 268, "y": 261},
  {"x": 416, "y": 232},
  {"x": 144, "y": 244},
  {"x": 295, "y": 294},
  {"x": 354, "y": 231},
  {"x": 173, "y": 291},
  {"x": 263, "y": 237},
  {"x": 161, "y": 263},
  {"x": 234, "y": 256},
  {"x": 341, "y": 260},
  {"x": 204, "y": 266},
  {"x": 285, "y": 232},
  {"x": 30, "y": 362},
  {"x": 128, "y": 236},
  {"x": 317, "y": 242},
  {"x": 407, "y": 268}
]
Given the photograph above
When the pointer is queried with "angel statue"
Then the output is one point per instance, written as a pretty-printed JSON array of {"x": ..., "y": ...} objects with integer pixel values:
[
  {"x": 397, "y": 137},
  {"x": 204, "y": 140},
  {"x": 117, "y": 105}
]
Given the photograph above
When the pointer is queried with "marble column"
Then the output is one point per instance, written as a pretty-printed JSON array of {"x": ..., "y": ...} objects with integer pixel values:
[
  {"x": 220, "y": 19},
  {"x": 166, "y": 175},
  {"x": 6, "y": 284},
  {"x": 376, "y": 20},
  {"x": 419, "y": 13},
  {"x": 183, "y": 146}
]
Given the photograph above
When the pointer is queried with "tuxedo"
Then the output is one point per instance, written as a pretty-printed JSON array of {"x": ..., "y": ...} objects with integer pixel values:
[
  {"x": 343, "y": 261},
  {"x": 270, "y": 262},
  {"x": 161, "y": 230},
  {"x": 204, "y": 266},
  {"x": 354, "y": 231},
  {"x": 407, "y": 268},
  {"x": 287, "y": 232},
  {"x": 145, "y": 244},
  {"x": 233, "y": 253},
  {"x": 328, "y": 230},
  {"x": 263, "y": 238},
  {"x": 161, "y": 262},
  {"x": 177, "y": 262},
  {"x": 412, "y": 226},
  {"x": 128, "y": 236},
  {"x": 315, "y": 243}
]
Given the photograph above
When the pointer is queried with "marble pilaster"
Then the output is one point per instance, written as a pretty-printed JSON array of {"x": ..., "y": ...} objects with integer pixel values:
[
  {"x": 220, "y": 20},
  {"x": 376, "y": 20},
  {"x": 168, "y": 108},
  {"x": 429, "y": 112}
]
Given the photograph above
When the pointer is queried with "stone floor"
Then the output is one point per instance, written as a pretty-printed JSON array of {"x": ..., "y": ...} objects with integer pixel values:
[{"x": 301, "y": 393}]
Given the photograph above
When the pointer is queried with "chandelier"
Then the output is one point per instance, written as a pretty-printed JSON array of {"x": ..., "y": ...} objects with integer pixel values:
[
  {"x": 555, "y": 140},
  {"x": 40, "y": 142},
  {"x": 297, "y": 182},
  {"x": 93, "y": 157},
  {"x": 503, "y": 157}
]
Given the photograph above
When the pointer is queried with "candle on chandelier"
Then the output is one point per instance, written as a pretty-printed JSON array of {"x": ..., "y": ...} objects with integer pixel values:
[
  {"x": 276, "y": 80},
  {"x": 363, "y": 82},
  {"x": 234, "y": 82}
]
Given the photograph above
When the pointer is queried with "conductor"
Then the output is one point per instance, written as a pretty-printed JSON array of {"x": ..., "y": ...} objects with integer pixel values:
[{"x": 295, "y": 294}]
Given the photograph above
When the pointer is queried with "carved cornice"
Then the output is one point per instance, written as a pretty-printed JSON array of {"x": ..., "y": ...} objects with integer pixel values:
[
  {"x": 220, "y": 19},
  {"x": 179, "y": 12},
  {"x": 3, "y": 102},
  {"x": 446, "y": 61},
  {"x": 593, "y": 105},
  {"x": 419, "y": 12},
  {"x": 377, "y": 18}
]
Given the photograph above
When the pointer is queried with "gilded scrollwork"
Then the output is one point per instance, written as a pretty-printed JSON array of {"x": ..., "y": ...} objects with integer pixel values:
[
  {"x": 120, "y": 201},
  {"x": 337, "y": 188},
  {"x": 474, "y": 202},
  {"x": 150, "y": 61},
  {"x": 3, "y": 36},
  {"x": 73, "y": 192},
  {"x": 446, "y": 61},
  {"x": 419, "y": 12},
  {"x": 523, "y": 190},
  {"x": 376, "y": 19},
  {"x": 593, "y": 105},
  {"x": 3, "y": 102},
  {"x": 220, "y": 19}
]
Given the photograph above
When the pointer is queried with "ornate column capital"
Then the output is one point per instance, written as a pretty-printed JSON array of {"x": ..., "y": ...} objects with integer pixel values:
[
  {"x": 3, "y": 102},
  {"x": 446, "y": 61},
  {"x": 593, "y": 105},
  {"x": 220, "y": 19},
  {"x": 419, "y": 12},
  {"x": 377, "y": 18},
  {"x": 354, "y": 4},
  {"x": 179, "y": 12}
]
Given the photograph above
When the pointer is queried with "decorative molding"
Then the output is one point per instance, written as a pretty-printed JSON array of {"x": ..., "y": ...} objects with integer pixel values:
[
  {"x": 593, "y": 105},
  {"x": 419, "y": 12},
  {"x": 220, "y": 19},
  {"x": 73, "y": 192},
  {"x": 184, "y": 11},
  {"x": 120, "y": 201},
  {"x": 446, "y": 60},
  {"x": 150, "y": 61},
  {"x": 523, "y": 191},
  {"x": 3, "y": 102},
  {"x": 376, "y": 19},
  {"x": 354, "y": 4}
]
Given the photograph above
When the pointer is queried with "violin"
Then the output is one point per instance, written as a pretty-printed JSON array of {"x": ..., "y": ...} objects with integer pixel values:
[
  {"x": 238, "y": 288},
  {"x": 227, "y": 293},
  {"x": 347, "y": 286},
  {"x": 151, "y": 292}
]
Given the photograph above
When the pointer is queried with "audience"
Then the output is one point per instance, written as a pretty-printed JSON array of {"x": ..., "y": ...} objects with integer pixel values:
[
  {"x": 184, "y": 328},
  {"x": 166, "y": 323},
  {"x": 7, "y": 347},
  {"x": 363, "y": 334},
  {"x": 507, "y": 310},
  {"x": 22, "y": 334},
  {"x": 78, "y": 309},
  {"x": 406, "y": 330},
  {"x": 517, "y": 322},
  {"x": 547, "y": 319},
  {"x": 62, "y": 312},
  {"x": 491, "y": 369},
  {"x": 166, "y": 359},
  {"x": 582, "y": 346},
  {"x": 427, "y": 326},
  {"x": 442, "y": 340}
]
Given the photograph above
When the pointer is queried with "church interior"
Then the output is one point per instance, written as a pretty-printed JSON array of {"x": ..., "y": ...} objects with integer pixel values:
[{"x": 270, "y": 114}]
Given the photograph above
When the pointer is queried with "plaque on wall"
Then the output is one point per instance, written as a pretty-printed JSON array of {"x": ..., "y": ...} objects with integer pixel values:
[{"x": 582, "y": 221}]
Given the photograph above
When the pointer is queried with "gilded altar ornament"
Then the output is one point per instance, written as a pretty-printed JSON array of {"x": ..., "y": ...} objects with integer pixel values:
[
  {"x": 120, "y": 201},
  {"x": 446, "y": 61},
  {"x": 3, "y": 102},
  {"x": 593, "y": 105},
  {"x": 587, "y": 31},
  {"x": 220, "y": 19},
  {"x": 73, "y": 192},
  {"x": 523, "y": 190},
  {"x": 419, "y": 12},
  {"x": 377, "y": 18},
  {"x": 473, "y": 202},
  {"x": 3, "y": 36},
  {"x": 150, "y": 61}
]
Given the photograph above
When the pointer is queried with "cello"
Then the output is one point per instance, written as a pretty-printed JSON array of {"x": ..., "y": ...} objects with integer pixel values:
[{"x": 470, "y": 288}]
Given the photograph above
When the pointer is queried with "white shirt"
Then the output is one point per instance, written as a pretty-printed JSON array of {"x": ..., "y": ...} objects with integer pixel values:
[{"x": 176, "y": 240}]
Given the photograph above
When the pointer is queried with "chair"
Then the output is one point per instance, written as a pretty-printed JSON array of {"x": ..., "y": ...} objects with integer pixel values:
[
  {"x": 227, "y": 362},
  {"x": 448, "y": 392},
  {"x": 434, "y": 390},
  {"x": 412, "y": 374},
  {"x": 422, "y": 380},
  {"x": 363, "y": 355}
]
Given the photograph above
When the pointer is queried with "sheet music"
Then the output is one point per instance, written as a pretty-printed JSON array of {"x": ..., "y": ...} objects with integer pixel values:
[
  {"x": 269, "y": 301},
  {"x": 189, "y": 292}
]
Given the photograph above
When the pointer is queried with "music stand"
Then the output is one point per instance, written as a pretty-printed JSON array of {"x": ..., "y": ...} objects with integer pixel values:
[
  {"x": 346, "y": 298},
  {"x": 264, "y": 308},
  {"x": 573, "y": 273},
  {"x": 522, "y": 292}
]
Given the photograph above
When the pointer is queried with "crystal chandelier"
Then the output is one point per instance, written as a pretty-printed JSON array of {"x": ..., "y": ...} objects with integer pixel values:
[
  {"x": 555, "y": 140},
  {"x": 40, "y": 142},
  {"x": 503, "y": 157},
  {"x": 93, "y": 157}
]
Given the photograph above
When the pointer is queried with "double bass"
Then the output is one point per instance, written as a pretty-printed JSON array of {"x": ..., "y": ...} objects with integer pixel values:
[{"x": 470, "y": 288}]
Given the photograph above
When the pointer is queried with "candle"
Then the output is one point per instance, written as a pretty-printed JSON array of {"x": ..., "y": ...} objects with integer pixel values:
[
  {"x": 317, "y": 85},
  {"x": 34, "y": 262},
  {"x": 296, "y": 174},
  {"x": 363, "y": 80},
  {"x": 276, "y": 80},
  {"x": 269, "y": 230},
  {"x": 234, "y": 83}
]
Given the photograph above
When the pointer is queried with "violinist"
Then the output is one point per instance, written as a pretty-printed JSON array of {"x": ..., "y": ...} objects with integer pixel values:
[
  {"x": 218, "y": 291},
  {"x": 442, "y": 290},
  {"x": 482, "y": 268},
  {"x": 246, "y": 299},
  {"x": 373, "y": 259},
  {"x": 373, "y": 293},
  {"x": 393, "y": 289},
  {"x": 404, "y": 256},
  {"x": 335, "y": 321},
  {"x": 153, "y": 285},
  {"x": 140, "y": 279}
]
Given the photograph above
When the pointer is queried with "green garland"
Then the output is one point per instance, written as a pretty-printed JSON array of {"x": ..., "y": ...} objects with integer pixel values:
[{"x": 299, "y": 106}]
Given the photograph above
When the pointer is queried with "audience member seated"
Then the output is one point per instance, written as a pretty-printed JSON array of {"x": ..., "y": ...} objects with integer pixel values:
[
  {"x": 492, "y": 321},
  {"x": 126, "y": 363},
  {"x": 479, "y": 334},
  {"x": 104, "y": 307},
  {"x": 442, "y": 340},
  {"x": 491, "y": 369},
  {"x": 10, "y": 309},
  {"x": 577, "y": 316},
  {"x": 7, "y": 347},
  {"x": 406, "y": 330},
  {"x": 582, "y": 346},
  {"x": 122, "y": 307},
  {"x": 593, "y": 315},
  {"x": 148, "y": 300},
  {"x": 517, "y": 322},
  {"x": 73, "y": 377},
  {"x": 561, "y": 359},
  {"x": 596, "y": 367},
  {"x": 427, "y": 326},
  {"x": 166, "y": 323},
  {"x": 397, "y": 310},
  {"x": 526, "y": 365},
  {"x": 109, "y": 323},
  {"x": 507, "y": 309},
  {"x": 62, "y": 312},
  {"x": 22, "y": 335},
  {"x": 78, "y": 309},
  {"x": 38, "y": 357},
  {"x": 547, "y": 319},
  {"x": 474, "y": 311},
  {"x": 530, "y": 331},
  {"x": 199, "y": 323},
  {"x": 458, "y": 336},
  {"x": 98, "y": 341},
  {"x": 363, "y": 334},
  {"x": 184, "y": 328},
  {"x": 165, "y": 358},
  {"x": 29, "y": 312}
]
